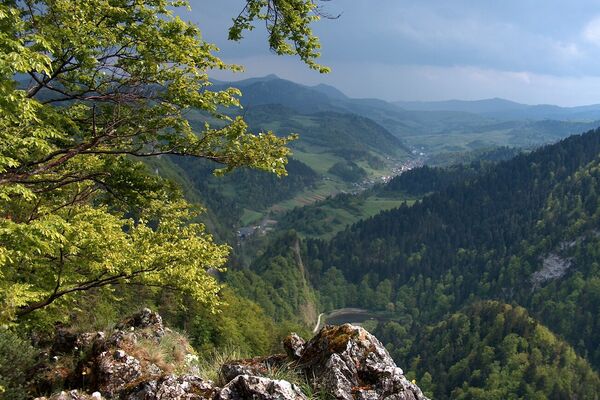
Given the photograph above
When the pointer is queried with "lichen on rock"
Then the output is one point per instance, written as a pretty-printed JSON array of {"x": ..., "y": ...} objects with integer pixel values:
[
  {"x": 350, "y": 363},
  {"x": 344, "y": 362}
]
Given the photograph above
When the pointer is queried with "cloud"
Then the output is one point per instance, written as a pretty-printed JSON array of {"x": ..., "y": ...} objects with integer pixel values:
[
  {"x": 591, "y": 32},
  {"x": 431, "y": 82},
  {"x": 538, "y": 51}
]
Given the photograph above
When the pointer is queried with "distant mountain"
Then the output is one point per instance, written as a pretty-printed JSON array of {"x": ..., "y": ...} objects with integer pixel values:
[
  {"x": 307, "y": 99},
  {"x": 435, "y": 127},
  {"x": 335, "y": 132},
  {"x": 330, "y": 91},
  {"x": 312, "y": 99},
  {"x": 272, "y": 90},
  {"x": 476, "y": 106},
  {"x": 506, "y": 109}
]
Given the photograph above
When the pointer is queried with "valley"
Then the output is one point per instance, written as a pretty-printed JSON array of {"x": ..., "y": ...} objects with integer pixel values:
[
  {"x": 405, "y": 228},
  {"x": 175, "y": 225},
  {"x": 348, "y": 145},
  {"x": 468, "y": 239}
]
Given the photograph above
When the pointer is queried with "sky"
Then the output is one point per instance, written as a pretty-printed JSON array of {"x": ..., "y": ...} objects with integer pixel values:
[{"x": 530, "y": 51}]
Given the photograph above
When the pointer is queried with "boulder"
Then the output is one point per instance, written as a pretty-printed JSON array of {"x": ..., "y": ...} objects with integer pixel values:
[
  {"x": 294, "y": 346},
  {"x": 71, "y": 395},
  {"x": 146, "y": 320},
  {"x": 350, "y": 363},
  {"x": 260, "y": 388},
  {"x": 115, "y": 371},
  {"x": 173, "y": 387},
  {"x": 258, "y": 366}
]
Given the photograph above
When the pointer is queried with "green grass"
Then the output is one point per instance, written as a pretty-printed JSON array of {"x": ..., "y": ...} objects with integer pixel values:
[
  {"x": 209, "y": 364},
  {"x": 306, "y": 121},
  {"x": 338, "y": 216},
  {"x": 371, "y": 206},
  {"x": 461, "y": 141},
  {"x": 325, "y": 188},
  {"x": 250, "y": 217},
  {"x": 328, "y": 185},
  {"x": 209, "y": 368},
  {"x": 374, "y": 205},
  {"x": 320, "y": 162}
]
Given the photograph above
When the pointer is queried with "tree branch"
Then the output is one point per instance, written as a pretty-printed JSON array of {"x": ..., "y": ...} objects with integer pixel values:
[{"x": 96, "y": 283}]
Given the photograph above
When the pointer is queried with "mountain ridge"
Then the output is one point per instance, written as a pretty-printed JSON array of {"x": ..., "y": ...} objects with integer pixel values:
[
  {"x": 504, "y": 109},
  {"x": 493, "y": 107}
]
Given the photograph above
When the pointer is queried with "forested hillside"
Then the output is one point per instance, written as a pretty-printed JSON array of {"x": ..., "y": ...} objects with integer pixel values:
[
  {"x": 493, "y": 214},
  {"x": 491, "y": 350},
  {"x": 344, "y": 142},
  {"x": 325, "y": 218},
  {"x": 333, "y": 152},
  {"x": 522, "y": 232}
]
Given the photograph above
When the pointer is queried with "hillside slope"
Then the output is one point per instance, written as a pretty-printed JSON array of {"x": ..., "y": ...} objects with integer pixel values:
[
  {"x": 491, "y": 350},
  {"x": 434, "y": 126},
  {"x": 489, "y": 238}
]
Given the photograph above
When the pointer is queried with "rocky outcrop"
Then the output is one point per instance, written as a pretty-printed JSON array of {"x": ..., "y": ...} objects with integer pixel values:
[
  {"x": 146, "y": 320},
  {"x": 350, "y": 363},
  {"x": 344, "y": 362},
  {"x": 294, "y": 346},
  {"x": 173, "y": 387},
  {"x": 260, "y": 388},
  {"x": 259, "y": 366},
  {"x": 553, "y": 267}
]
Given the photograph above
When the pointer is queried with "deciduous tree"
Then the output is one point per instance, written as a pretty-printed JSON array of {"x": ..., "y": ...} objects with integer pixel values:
[{"x": 87, "y": 89}]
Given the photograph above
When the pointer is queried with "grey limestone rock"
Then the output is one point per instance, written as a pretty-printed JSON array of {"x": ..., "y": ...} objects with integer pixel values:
[
  {"x": 350, "y": 363},
  {"x": 144, "y": 320},
  {"x": 115, "y": 371},
  {"x": 171, "y": 387},
  {"x": 246, "y": 387},
  {"x": 294, "y": 346}
]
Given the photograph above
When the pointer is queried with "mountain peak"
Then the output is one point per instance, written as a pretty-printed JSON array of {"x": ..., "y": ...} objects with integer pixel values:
[
  {"x": 271, "y": 77},
  {"x": 329, "y": 90}
]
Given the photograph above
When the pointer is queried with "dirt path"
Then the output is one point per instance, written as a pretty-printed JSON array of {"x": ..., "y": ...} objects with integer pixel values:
[{"x": 337, "y": 313}]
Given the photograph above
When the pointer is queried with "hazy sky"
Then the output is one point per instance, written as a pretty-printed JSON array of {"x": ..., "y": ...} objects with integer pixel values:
[{"x": 532, "y": 51}]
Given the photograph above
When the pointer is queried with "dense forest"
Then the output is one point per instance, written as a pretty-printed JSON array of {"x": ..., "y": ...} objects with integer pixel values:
[
  {"x": 485, "y": 230},
  {"x": 490, "y": 350}
]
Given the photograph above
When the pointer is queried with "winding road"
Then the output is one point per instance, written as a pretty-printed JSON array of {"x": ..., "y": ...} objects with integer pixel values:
[
  {"x": 318, "y": 323},
  {"x": 342, "y": 312}
]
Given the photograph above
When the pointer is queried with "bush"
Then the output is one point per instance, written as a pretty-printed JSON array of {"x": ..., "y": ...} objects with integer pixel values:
[{"x": 17, "y": 357}]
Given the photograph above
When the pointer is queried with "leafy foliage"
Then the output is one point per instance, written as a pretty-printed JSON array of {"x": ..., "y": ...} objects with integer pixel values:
[
  {"x": 101, "y": 84},
  {"x": 288, "y": 23}
]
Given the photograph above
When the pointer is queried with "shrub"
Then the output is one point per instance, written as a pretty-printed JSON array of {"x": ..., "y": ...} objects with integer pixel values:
[{"x": 17, "y": 357}]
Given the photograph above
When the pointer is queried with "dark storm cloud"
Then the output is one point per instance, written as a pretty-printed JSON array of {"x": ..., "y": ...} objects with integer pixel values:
[{"x": 531, "y": 51}]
